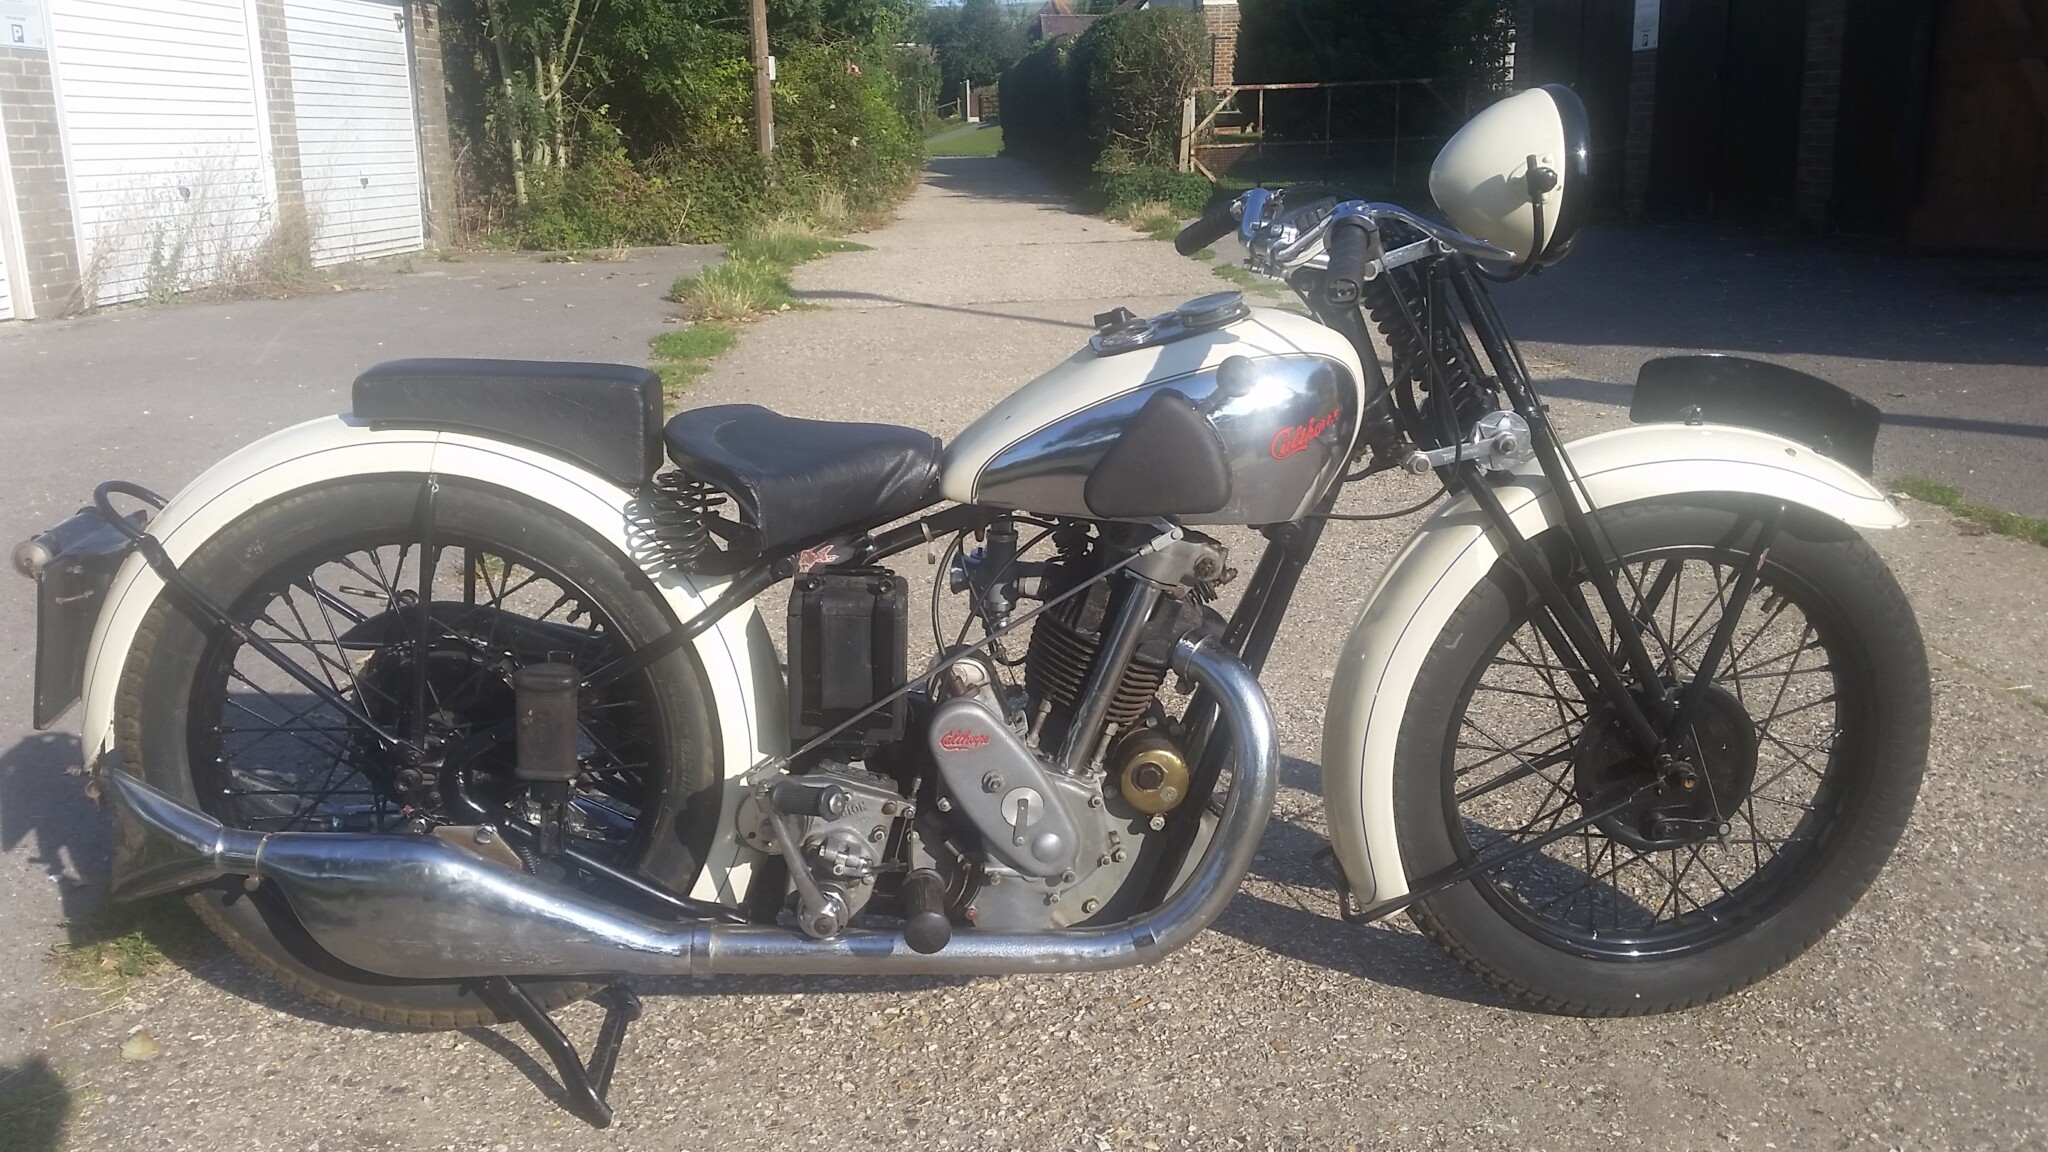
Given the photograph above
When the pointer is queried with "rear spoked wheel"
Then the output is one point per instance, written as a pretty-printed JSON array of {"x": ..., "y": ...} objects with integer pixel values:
[
  {"x": 1795, "y": 778},
  {"x": 337, "y": 578}
]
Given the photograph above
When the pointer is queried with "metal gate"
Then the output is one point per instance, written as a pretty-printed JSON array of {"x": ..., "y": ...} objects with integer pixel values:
[{"x": 1361, "y": 134}]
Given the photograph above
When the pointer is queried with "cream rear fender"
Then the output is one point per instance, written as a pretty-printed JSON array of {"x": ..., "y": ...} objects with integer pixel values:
[
  {"x": 1454, "y": 550},
  {"x": 737, "y": 657}
]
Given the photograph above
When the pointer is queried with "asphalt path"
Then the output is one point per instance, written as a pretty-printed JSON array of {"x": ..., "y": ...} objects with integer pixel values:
[{"x": 1918, "y": 1023}]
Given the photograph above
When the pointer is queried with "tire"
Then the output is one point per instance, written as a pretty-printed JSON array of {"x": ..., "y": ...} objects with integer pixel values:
[
  {"x": 171, "y": 734},
  {"x": 1742, "y": 900}
]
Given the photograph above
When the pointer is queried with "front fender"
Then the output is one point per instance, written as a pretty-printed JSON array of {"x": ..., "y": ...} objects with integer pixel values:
[
  {"x": 737, "y": 656},
  {"x": 1454, "y": 550}
]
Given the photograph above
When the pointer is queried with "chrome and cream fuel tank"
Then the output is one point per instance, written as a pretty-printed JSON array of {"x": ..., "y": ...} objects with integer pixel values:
[{"x": 1285, "y": 429}]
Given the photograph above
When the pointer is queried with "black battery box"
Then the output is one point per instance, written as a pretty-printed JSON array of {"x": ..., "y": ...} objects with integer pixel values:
[{"x": 848, "y": 645}]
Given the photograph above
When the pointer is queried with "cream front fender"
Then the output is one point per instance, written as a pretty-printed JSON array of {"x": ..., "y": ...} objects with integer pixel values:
[
  {"x": 738, "y": 659},
  {"x": 1454, "y": 550}
]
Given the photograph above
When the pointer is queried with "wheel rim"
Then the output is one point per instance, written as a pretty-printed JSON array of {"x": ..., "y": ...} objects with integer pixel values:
[
  {"x": 1518, "y": 767},
  {"x": 269, "y": 756}
]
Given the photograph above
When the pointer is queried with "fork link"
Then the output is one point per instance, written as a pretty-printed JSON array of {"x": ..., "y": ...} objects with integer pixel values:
[{"x": 544, "y": 699}]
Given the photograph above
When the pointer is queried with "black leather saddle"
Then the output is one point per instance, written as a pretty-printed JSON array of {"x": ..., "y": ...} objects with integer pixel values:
[
  {"x": 605, "y": 417},
  {"x": 795, "y": 480}
]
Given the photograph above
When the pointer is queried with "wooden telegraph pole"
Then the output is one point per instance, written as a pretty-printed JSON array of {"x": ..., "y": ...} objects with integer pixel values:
[{"x": 764, "y": 79}]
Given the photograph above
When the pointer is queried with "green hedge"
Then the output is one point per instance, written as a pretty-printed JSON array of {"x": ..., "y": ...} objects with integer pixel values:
[
  {"x": 1115, "y": 90},
  {"x": 842, "y": 136}
]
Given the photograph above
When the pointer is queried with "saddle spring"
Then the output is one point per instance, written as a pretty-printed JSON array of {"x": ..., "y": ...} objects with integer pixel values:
[{"x": 673, "y": 519}]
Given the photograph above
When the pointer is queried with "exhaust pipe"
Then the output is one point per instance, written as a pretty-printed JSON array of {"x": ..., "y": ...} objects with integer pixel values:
[{"x": 417, "y": 907}]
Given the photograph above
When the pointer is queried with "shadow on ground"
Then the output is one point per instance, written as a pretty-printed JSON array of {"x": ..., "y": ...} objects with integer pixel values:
[
  {"x": 997, "y": 178},
  {"x": 35, "y": 1104},
  {"x": 1622, "y": 395},
  {"x": 42, "y": 797},
  {"x": 1752, "y": 291}
]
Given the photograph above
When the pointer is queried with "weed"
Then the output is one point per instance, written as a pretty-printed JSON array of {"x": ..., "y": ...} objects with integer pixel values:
[
  {"x": 572, "y": 256},
  {"x": 403, "y": 267},
  {"x": 1996, "y": 519},
  {"x": 683, "y": 354},
  {"x": 697, "y": 342},
  {"x": 118, "y": 943},
  {"x": 447, "y": 256},
  {"x": 754, "y": 277},
  {"x": 1204, "y": 254},
  {"x": 166, "y": 272}
]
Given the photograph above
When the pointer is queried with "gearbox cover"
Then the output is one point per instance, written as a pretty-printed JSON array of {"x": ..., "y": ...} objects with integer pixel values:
[{"x": 1001, "y": 788}]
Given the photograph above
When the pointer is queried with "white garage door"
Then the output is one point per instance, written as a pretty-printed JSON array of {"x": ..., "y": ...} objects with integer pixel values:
[
  {"x": 169, "y": 171},
  {"x": 358, "y": 145}
]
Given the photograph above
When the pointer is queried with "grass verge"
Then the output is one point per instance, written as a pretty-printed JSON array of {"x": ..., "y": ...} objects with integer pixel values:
[
  {"x": 753, "y": 280},
  {"x": 684, "y": 354},
  {"x": 116, "y": 944},
  {"x": 986, "y": 140},
  {"x": 1995, "y": 519},
  {"x": 1248, "y": 282}
]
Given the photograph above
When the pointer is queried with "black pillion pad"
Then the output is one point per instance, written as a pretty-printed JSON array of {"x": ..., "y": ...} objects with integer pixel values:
[
  {"x": 1168, "y": 461},
  {"x": 605, "y": 417}
]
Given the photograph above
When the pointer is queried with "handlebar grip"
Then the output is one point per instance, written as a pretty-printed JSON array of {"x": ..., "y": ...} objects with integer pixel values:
[
  {"x": 1217, "y": 223},
  {"x": 1350, "y": 247}
]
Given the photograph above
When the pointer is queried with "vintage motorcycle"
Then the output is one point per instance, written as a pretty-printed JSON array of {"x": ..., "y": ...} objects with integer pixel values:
[{"x": 457, "y": 708}]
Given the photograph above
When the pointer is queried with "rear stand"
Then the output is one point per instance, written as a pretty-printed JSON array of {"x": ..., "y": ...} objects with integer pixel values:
[{"x": 585, "y": 1086}]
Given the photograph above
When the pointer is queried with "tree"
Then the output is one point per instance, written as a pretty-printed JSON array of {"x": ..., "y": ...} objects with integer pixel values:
[{"x": 976, "y": 42}]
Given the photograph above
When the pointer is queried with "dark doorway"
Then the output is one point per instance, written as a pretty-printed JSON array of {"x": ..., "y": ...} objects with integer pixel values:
[
  {"x": 1985, "y": 183},
  {"x": 1725, "y": 140},
  {"x": 1584, "y": 44}
]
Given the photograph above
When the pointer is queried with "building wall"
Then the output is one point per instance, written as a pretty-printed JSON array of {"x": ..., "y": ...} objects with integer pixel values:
[
  {"x": 35, "y": 152},
  {"x": 1222, "y": 22},
  {"x": 1820, "y": 102},
  {"x": 276, "y": 77},
  {"x": 437, "y": 149},
  {"x": 1564, "y": 37},
  {"x": 49, "y": 274}
]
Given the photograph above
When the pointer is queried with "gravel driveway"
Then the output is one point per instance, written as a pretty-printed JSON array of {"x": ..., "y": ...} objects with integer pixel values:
[{"x": 1919, "y": 1023}]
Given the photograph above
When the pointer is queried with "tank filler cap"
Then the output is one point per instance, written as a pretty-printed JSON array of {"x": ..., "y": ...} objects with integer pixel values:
[{"x": 1120, "y": 331}]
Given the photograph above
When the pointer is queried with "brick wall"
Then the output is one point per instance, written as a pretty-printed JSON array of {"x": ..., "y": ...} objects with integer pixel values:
[
  {"x": 1820, "y": 101},
  {"x": 276, "y": 52},
  {"x": 1642, "y": 114},
  {"x": 437, "y": 150},
  {"x": 1222, "y": 22},
  {"x": 28, "y": 115}
]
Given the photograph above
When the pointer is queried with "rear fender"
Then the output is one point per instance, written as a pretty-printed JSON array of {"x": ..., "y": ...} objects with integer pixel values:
[
  {"x": 737, "y": 656},
  {"x": 1454, "y": 550}
]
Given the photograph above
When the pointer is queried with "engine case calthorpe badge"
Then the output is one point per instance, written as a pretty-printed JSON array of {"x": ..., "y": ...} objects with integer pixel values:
[
  {"x": 961, "y": 740},
  {"x": 1288, "y": 441}
]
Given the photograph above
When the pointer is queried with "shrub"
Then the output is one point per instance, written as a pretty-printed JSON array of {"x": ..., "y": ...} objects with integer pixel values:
[
  {"x": 1138, "y": 70},
  {"x": 1123, "y": 183},
  {"x": 1105, "y": 106},
  {"x": 844, "y": 148}
]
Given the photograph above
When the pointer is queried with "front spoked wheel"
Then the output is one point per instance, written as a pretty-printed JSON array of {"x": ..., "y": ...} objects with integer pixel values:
[{"x": 1805, "y": 756}]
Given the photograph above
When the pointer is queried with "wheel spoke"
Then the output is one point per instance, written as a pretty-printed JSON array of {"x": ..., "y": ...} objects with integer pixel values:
[{"x": 1516, "y": 747}]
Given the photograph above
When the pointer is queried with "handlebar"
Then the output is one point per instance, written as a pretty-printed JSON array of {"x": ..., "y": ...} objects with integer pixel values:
[
  {"x": 1354, "y": 242},
  {"x": 1342, "y": 237},
  {"x": 1218, "y": 222}
]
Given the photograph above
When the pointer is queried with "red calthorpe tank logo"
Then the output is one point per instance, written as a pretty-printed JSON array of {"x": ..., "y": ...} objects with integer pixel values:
[
  {"x": 1292, "y": 440},
  {"x": 961, "y": 740}
]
